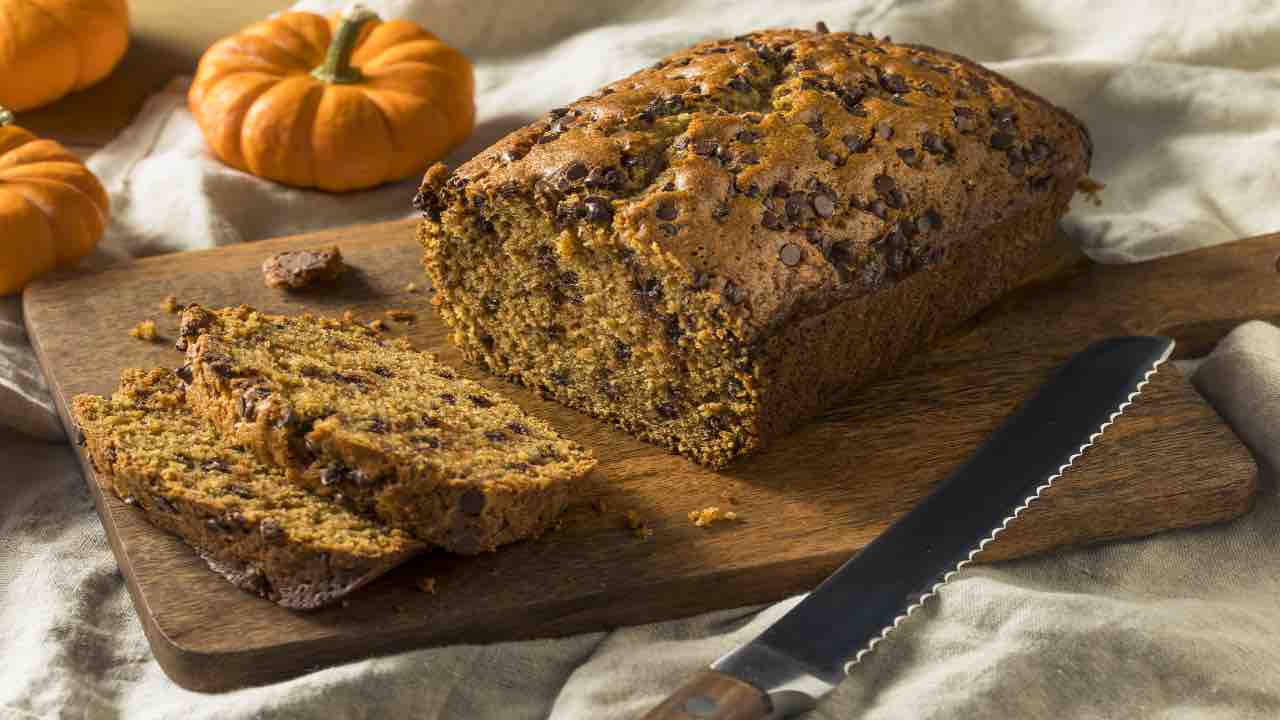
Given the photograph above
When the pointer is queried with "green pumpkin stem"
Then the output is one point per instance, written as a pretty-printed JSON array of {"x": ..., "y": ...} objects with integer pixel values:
[
  {"x": 337, "y": 66},
  {"x": 6, "y": 116}
]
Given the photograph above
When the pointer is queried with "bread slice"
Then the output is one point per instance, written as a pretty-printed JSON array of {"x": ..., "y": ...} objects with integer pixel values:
[
  {"x": 246, "y": 521},
  {"x": 388, "y": 429}
]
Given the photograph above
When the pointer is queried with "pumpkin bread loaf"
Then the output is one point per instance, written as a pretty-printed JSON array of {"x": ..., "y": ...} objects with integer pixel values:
[
  {"x": 718, "y": 247},
  {"x": 244, "y": 518},
  {"x": 380, "y": 427}
]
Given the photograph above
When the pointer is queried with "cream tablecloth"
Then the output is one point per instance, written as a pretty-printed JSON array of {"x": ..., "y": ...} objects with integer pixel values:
[{"x": 1184, "y": 102}]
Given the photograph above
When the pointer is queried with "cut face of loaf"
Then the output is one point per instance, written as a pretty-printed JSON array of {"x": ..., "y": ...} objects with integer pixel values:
[
  {"x": 715, "y": 249},
  {"x": 379, "y": 426},
  {"x": 246, "y": 521}
]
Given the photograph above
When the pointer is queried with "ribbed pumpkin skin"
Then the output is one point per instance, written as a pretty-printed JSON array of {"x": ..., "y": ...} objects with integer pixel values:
[
  {"x": 49, "y": 48},
  {"x": 53, "y": 210},
  {"x": 262, "y": 111}
]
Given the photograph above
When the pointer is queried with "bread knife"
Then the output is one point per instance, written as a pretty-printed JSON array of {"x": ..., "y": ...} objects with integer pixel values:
[{"x": 801, "y": 658}]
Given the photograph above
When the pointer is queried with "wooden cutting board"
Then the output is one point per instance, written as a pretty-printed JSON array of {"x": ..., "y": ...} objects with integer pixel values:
[{"x": 805, "y": 506}]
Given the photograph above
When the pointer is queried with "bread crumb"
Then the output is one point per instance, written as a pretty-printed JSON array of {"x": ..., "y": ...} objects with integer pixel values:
[
  {"x": 708, "y": 515},
  {"x": 638, "y": 526},
  {"x": 170, "y": 304},
  {"x": 411, "y": 287},
  {"x": 427, "y": 585},
  {"x": 145, "y": 330},
  {"x": 377, "y": 325},
  {"x": 402, "y": 315},
  {"x": 348, "y": 316},
  {"x": 725, "y": 496},
  {"x": 1091, "y": 188}
]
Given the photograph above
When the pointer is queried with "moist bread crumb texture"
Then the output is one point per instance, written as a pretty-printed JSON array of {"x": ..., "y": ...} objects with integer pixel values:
[
  {"x": 244, "y": 518},
  {"x": 379, "y": 427},
  {"x": 716, "y": 248}
]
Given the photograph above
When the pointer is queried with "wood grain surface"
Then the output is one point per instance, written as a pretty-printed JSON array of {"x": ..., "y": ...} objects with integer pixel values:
[{"x": 805, "y": 506}]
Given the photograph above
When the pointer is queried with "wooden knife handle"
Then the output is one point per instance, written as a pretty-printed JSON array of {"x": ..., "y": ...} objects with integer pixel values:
[{"x": 711, "y": 695}]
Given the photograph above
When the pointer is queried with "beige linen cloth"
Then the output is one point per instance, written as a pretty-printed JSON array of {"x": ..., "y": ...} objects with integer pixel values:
[{"x": 1184, "y": 103}]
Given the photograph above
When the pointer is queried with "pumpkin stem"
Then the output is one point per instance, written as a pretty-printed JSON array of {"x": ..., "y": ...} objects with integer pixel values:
[
  {"x": 337, "y": 61},
  {"x": 6, "y": 116}
]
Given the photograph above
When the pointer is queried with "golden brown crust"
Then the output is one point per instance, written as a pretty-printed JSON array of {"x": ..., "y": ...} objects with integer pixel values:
[{"x": 669, "y": 253}]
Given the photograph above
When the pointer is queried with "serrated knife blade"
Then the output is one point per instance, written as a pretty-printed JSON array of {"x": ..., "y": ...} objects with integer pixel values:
[{"x": 809, "y": 650}]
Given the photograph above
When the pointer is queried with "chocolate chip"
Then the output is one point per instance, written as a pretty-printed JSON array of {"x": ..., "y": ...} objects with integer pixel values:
[
  {"x": 184, "y": 373},
  {"x": 214, "y": 466},
  {"x": 701, "y": 281},
  {"x": 965, "y": 123},
  {"x": 706, "y": 147},
  {"x": 669, "y": 228},
  {"x": 894, "y": 83},
  {"x": 1017, "y": 168},
  {"x": 823, "y": 204},
  {"x": 378, "y": 425},
  {"x": 734, "y": 294},
  {"x": 576, "y": 171},
  {"x": 909, "y": 157},
  {"x": 1002, "y": 140},
  {"x": 1042, "y": 183},
  {"x": 667, "y": 210},
  {"x": 239, "y": 491},
  {"x": 770, "y": 221},
  {"x": 780, "y": 189},
  {"x": 739, "y": 83},
  {"x": 797, "y": 207},
  {"x": 509, "y": 155},
  {"x": 518, "y": 428},
  {"x": 884, "y": 130},
  {"x": 558, "y": 112},
  {"x": 163, "y": 503},
  {"x": 934, "y": 143},
  {"x": 621, "y": 351},
  {"x": 331, "y": 475},
  {"x": 560, "y": 377},
  {"x": 896, "y": 199},
  {"x": 929, "y": 221},
  {"x": 790, "y": 254},
  {"x": 748, "y": 136},
  {"x": 495, "y": 436},
  {"x": 598, "y": 209},
  {"x": 1004, "y": 116},
  {"x": 381, "y": 371},
  {"x": 855, "y": 143},
  {"x": 271, "y": 531},
  {"x": 878, "y": 208},
  {"x": 1039, "y": 151},
  {"x": 829, "y": 156},
  {"x": 883, "y": 184},
  {"x": 605, "y": 178},
  {"x": 666, "y": 410},
  {"x": 822, "y": 28},
  {"x": 547, "y": 137},
  {"x": 479, "y": 401},
  {"x": 472, "y": 501},
  {"x": 449, "y": 398},
  {"x": 720, "y": 212}
]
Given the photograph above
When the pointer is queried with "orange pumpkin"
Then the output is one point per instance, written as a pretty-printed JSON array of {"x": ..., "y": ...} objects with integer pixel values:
[
  {"x": 53, "y": 211},
  {"x": 49, "y": 48},
  {"x": 339, "y": 103}
]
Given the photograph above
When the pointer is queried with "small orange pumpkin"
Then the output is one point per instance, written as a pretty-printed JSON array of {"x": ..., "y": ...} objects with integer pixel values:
[
  {"x": 53, "y": 210},
  {"x": 339, "y": 104},
  {"x": 49, "y": 48}
]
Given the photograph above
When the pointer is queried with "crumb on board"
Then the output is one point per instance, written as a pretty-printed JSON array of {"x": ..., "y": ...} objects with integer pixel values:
[
  {"x": 377, "y": 325},
  {"x": 298, "y": 269},
  {"x": 411, "y": 287},
  {"x": 427, "y": 585},
  {"x": 638, "y": 526},
  {"x": 348, "y": 316},
  {"x": 170, "y": 304},
  {"x": 145, "y": 330},
  {"x": 728, "y": 497},
  {"x": 1091, "y": 189},
  {"x": 710, "y": 514},
  {"x": 401, "y": 315}
]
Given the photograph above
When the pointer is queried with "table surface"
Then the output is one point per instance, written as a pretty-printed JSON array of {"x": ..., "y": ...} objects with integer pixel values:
[{"x": 167, "y": 39}]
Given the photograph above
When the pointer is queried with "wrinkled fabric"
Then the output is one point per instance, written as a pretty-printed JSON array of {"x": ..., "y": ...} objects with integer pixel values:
[{"x": 1183, "y": 101}]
